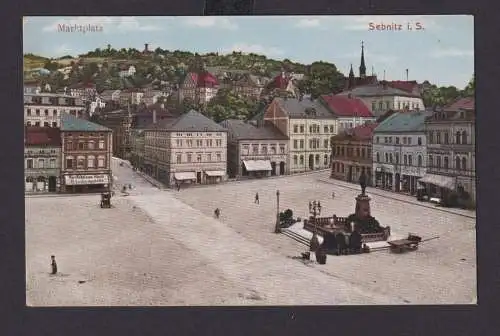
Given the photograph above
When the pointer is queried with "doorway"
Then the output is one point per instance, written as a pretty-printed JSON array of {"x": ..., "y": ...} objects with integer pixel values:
[
  {"x": 349, "y": 174},
  {"x": 397, "y": 182},
  {"x": 52, "y": 183},
  {"x": 282, "y": 168},
  {"x": 198, "y": 177},
  {"x": 273, "y": 168},
  {"x": 311, "y": 161}
]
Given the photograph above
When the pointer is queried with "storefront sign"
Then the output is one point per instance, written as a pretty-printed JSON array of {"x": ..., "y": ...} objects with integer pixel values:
[{"x": 86, "y": 179}]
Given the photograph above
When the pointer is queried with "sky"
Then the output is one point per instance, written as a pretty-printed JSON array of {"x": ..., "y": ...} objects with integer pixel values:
[{"x": 442, "y": 52}]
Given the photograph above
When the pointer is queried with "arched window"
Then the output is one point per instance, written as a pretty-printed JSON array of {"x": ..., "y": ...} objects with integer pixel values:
[
  {"x": 464, "y": 163},
  {"x": 445, "y": 162},
  {"x": 464, "y": 137},
  {"x": 317, "y": 158},
  {"x": 295, "y": 159},
  {"x": 29, "y": 179},
  {"x": 386, "y": 157},
  {"x": 378, "y": 157},
  {"x": 457, "y": 138},
  {"x": 419, "y": 160},
  {"x": 410, "y": 163},
  {"x": 301, "y": 159},
  {"x": 457, "y": 163},
  {"x": 28, "y": 123}
]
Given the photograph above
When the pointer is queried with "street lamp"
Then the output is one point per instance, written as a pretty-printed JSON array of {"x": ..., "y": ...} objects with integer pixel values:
[
  {"x": 277, "y": 228},
  {"x": 314, "y": 210}
]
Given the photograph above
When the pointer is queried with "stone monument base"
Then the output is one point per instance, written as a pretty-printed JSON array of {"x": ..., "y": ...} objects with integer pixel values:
[{"x": 362, "y": 209}]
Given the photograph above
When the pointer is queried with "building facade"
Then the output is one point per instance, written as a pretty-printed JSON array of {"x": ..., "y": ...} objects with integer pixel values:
[
  {"x": 189, "y": 149},
  {"x": 86, "y": 156},
  {"x": 349, "y": 111},
  {"x": 255, "y": 150},
  {"x": 199, "y": 87},
  {"x": 42, "y": 159},
  {"x": 352, "y": 154},
  {"x": 451, "y": 142},
  {"x": 46, "y": 109},
  {"x": 309, "y": 127},
  {"x": 399, "y": 152}
]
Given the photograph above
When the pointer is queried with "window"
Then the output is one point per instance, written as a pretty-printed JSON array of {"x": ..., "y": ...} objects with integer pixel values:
[
  {"x": 374, "y": 106},
  {"x": 419, "y": 160},
  {"x": 28, "y": 112},
  {"x": 390, "y": 157},
  {"x": 405, "y": 159},
  {"x": 358, "y": 152},
  {"x": 255, "y": 149},
  {"x": 90, "y": 162},
  {"x": 54, "y": 124},
  {"x": 90, "y": 144},
  {"x": 190, "y": 143},
  {"x": 397, "y": 140},
  {"x": 54, "y": 113},
  {"x": 380, "y": 105},
  {"x": 397, "y": 158},
  {"x": 331, "y": 128},
  {"x": 363, "y": 152},
  {"x": 282, "y": 149},
  {"x": 386, "y": 157},
  {"x": 438, "y": 162},
  {"x": 377, "y": 139},
  {"x": 317, "y": 158},
  {"x": 457, "y": 163},
  {"x": 37, "y": 111},
  {"x": 295, "y": 128},
  {"x": 325, "y": 161},
  {"x": 388, "y": 105},
  {"x": 431, "y": 162},
  {"x": 219, "y": 157},
  {"x": 264, "y": 149},
  {"x": 189, "y": 157},
  {"x": 310, "y": 129},
  {"x": 295, "y": 143},
  {"x": 28, "y": 123},
  {"x": 399, "y": 105},
  {"x": 409, "y": 140},
  {"x": 80, "y": 162},
  {"x": 404, "y": 140},
  {"x": 445, "y": 162},
  {"x": 46, "y": 113},
  {"x": 273, "y": 150},
  {"x": 81, "y": 145},
  {"x": 464, "y": 137},
  {"x": 198, "y": 158},
  {"x": 438, "y": 137},
  {"x": 301, "y": 143},
  {"x": 410, "y": 160},
  {"x": 52, "y": 163},
  {"x": 301, "y": 128},
  {"x": 69, "y": 163},
  {"x": 464, "y": 163},
  {"x": 209, "y": 157},
  {"x": 301, "y": 159},
  {"x": 199, "y": 143},
  {"x": 378, "y": 157},
  {"x": 37, "y": 123},
  {"x": 457, "y": 138},
  {"x": 431, "y": 137},
  {"x": 101, "y": 144},
  {"x": 101, "y": 162},
  {"x": 325, "y": 129},
  {"x": 325, "y": 143},
  {"x": 419, "y": 141},
  {"x": 29, "y": 163},
  {"x": 45, "y": 124},
  {"x": 295, "y": 159}
]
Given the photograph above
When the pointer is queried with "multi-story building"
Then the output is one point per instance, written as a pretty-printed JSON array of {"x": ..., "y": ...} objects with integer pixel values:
[
  {"x": 132, "y": 96},
  {"x": 352, "y": 154},
  {"x": 350, "y": 111},
  {"x": 42, "y": 159},
  {"x": 46, "y": 109},
  {"x": 191, "y": 148},
  {"x": 309, "y": 126},
  {"x": 111, "y": 96},
  {"x": 255, "y": 150},
  {"x": 382, "y": 97},
  {"x": 86, "y": 156},
  {"x": 83, "y": 90},
  {"x": 200, "y": 87},
  {"x": 451, "y": 156},
  {"x": 399, "y": 151}
]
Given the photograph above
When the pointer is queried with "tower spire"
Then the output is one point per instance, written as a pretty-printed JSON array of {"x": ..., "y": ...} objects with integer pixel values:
[
  {"x": 351, "y": 78},
  {"x": 362, "y": 66}
]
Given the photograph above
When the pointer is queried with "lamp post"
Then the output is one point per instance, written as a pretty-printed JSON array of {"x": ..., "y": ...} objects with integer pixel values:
[
  {"x": 277, "y": 228},
  {"x": 314, "y": 210}
]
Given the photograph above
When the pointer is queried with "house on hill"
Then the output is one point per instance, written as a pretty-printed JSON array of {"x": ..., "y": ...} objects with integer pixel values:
[{"x": 350, "y": 111}]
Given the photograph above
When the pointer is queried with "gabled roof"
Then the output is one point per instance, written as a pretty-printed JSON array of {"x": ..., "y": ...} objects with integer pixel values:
[
  {"x": 42, "y": 136},
  {"x": 71, "y": 123},
  {"x": 347, "y": 106},
  {"x": 305, "y": 108},
  {"x": 467, "y": 103},
  {"x": 378, "y": 90},
  {"x": 404, "y": 122},
  {"x": 193, "y": 121},
  {"x": 407, "y": 86},
  {"x": 242, "y": 130},
  {"x": 363, "y": 133},
  {"x": 203, "y": 79}
]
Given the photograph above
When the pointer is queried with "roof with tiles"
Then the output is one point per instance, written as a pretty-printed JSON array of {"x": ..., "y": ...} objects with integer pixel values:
[
  {"x": 378, "y": 90},
  {"x": 347, "y": 106},
  {"x": 204, "y": 79},
  {"x": 362, "y": 133},
  {"x": 242, "y": 130},
  {"x": 71, "y": 123},
  {"x": 467, "y": 103},
  {"x": 304, "y": 108},
  {"x": 279, "y": 82},
  {"x": 193, "y": 121},
  {"x": 42, "y": 136},
  {"x": 404, "y": 122},
  {"x": 408, "y": 86}
]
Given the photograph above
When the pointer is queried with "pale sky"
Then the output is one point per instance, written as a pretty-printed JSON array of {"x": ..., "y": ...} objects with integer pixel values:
[{"x": 443, "y": 52}]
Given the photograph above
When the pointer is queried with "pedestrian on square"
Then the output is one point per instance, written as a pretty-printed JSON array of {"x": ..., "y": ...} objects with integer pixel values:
[
  {"x": 256, "y": 198},
  {"x": 53, "y": 264},
  {"x": 333, "y": 195},
  {"x": 217, "y": 213},
  {"x": 178, "y": 186}
]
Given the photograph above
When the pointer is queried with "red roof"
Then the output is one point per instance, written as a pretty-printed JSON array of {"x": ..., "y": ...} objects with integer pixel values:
[
  {"x": 408, "y": 86},
  {"x": 42, "y": 136},
  {"x": 363, "y": 132},
  {"x": 204, "y": 79},
  {"x": 462, "y": 103},
  {"x": 279, "y": 82},
  {"x": 345, "y": 106}
]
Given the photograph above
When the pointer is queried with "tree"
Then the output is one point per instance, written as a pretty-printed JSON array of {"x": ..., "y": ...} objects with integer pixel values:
[
  {"x": 218, "y": 113},
  {"x": 51, "y": 66},
  {"x": 323, "y": 78},
  {"x": 470, "y": 89}
]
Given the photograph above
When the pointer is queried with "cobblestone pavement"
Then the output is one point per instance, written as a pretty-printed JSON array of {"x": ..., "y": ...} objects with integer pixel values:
[{"x": 153, "y": 249}]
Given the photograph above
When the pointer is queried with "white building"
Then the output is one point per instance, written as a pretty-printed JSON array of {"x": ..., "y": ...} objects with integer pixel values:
[
  {"x": 46, "y": 109},
  {"x": 399, "y": 151},
  {"x": 127, "y": 71},
  {"x": 96, "y": 103},
  {"x": 382, "y": 97}
]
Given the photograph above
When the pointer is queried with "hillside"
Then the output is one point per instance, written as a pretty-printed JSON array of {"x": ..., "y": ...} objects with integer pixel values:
[{"x": 31, "y": 61}]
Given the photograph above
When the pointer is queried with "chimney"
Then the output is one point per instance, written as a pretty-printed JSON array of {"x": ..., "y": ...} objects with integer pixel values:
[{"x": 154, "y": 116}]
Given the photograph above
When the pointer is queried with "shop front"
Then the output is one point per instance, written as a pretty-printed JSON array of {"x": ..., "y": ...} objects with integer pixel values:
[
  {"x": 438, "y": 186},
  {"x": 183, "y": 178},
  {"x": 42, "y": 181},
  {"x": 383, "y": 178},
  {"x": 87, "y": 183},
  {"x": 256, "y": 168},
  {"x": 214, "y": 176}
]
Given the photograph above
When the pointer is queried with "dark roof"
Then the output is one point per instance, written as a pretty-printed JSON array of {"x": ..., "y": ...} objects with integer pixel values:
[
  {"x": 363, "y": 132},
  {"x": 403, "y": 122},
  {"x": 70, "y": 123},
  {"x": 346, "y": 106},
  {"x": 305, "y": 108},
  {"x": 378, "y": 90},
  {"x": 242, "y": 130},
  {"x": 408, "y": 86},
  {"x": 467, "y": 103},
  {"x": 193, "y": 121},
  {"x": 42, "y": 136}
]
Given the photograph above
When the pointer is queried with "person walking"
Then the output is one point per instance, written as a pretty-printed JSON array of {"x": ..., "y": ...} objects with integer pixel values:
[
  {"x": 217, "y": 213},
  {"x": 256, "y": 198},
  {"x": 53, "y": 264}
]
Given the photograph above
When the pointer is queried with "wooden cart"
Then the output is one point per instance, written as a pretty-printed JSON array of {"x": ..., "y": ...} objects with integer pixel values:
[
  {"x": 403, "y": 245},
  {"x": 106, "y": 200}
]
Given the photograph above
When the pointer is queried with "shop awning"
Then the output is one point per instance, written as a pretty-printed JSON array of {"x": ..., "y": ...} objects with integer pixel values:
[
  {"x": 257, "y": 165},
  {"x": 86, "y": 179},
  {"x": 215, "y": 172},
  {"x": 185, "y": 176},
  {"x": 439, "y": 180}
]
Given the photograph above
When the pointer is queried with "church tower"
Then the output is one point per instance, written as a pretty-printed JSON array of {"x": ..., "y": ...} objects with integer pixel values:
[
  {"x": 362, "y": 66},
  {"x": 352, "y": 79}
]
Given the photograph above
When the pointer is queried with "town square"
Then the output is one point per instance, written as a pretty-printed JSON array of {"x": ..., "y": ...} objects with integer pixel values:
[{"x": 194, "y": 175}]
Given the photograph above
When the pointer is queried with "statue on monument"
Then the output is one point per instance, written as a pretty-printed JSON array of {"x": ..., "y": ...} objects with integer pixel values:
[{"x": 362, "y": 182}]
